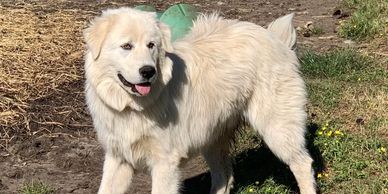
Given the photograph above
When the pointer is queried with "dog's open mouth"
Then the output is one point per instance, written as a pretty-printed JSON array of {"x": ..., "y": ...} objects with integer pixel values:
[{"x": 142, "y": 89}]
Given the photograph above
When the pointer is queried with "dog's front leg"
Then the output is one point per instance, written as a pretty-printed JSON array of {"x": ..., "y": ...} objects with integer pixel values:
[
  {"x": 165, "y": 177},
  {"x": 116, "y": 177}
]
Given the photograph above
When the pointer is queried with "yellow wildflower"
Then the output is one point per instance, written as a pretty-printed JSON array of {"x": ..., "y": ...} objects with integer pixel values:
[
  {"x": 325, "y": 126},
  {"x": 338, "y": 132},
  {"x": 320, "y": 132},
  {"x": 328, "y": 134},
  {"x": 322, "y": 174},
  {"x": 381, "y": 149},
  {"x": 250, "y": 190}
]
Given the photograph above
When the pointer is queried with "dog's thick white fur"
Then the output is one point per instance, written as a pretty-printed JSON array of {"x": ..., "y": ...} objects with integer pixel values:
[{"x": 223, "y": 72}]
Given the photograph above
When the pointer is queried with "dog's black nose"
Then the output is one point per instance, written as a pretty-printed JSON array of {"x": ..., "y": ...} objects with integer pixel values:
[{"x": 147, "y": 71}]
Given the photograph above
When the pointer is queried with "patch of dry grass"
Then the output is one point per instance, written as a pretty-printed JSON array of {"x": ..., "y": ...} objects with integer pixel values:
[
  {"x": 355, "y": 106},
  {"x": 367, "y": 103},
  {"x": 41, "y": 56}
]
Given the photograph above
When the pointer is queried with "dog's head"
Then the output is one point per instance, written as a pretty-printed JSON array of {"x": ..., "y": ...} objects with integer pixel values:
[{"x": 126, "y": 61}]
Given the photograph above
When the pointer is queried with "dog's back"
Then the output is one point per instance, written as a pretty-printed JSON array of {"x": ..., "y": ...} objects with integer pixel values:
[{"x": 233, "y": 58}]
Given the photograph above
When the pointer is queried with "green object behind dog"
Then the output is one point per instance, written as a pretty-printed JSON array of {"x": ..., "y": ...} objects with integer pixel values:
[{"x": 178, "y": 17}]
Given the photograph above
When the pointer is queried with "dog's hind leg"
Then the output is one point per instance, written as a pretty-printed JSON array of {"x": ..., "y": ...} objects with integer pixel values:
[
  {"x": 116, "y": 177},
  {"x": 283, "y": 132},
  {"x": 292, "y": 152},
  {"x": 218, "y": 158}
]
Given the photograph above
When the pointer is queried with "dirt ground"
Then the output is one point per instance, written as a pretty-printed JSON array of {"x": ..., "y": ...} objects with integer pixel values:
[{"x": 52, "y": 138}]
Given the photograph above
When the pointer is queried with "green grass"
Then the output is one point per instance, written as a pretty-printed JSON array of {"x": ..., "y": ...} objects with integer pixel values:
[
  {"x": 343, "y": 64},
  {"x": 36, "y": 188},
  {"x": 270, "y": 187},
  {"x": 350, "y": 86},
  {"x": 330, "y": 74},
  {"x": 324, "y": 93},
  {"x": 368, "y": 20},
  {"x": 350, "y": 156},
  {"x": 352, "y": 159}
]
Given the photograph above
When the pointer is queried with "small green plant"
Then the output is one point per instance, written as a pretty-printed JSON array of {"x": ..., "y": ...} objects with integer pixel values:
[
  {"x": 36, "y": 188},
  {"x": 316, "y": 31},
  {"x": 369, "y": 19},
  {"x": 311, "y": 30}
]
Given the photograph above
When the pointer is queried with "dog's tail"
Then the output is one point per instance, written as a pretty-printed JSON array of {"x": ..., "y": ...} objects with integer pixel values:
[{"x": 284, "y": 30}]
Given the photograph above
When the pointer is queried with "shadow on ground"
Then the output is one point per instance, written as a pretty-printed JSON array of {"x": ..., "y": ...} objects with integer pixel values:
[{"x": 258, "y": 165}]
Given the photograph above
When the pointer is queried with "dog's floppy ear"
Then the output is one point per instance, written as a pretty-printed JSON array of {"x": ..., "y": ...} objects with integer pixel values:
[
  {"x": 95, "y": 35},
  {"x": 166, "y": 37},
  {"x": 165, "y": 63}
]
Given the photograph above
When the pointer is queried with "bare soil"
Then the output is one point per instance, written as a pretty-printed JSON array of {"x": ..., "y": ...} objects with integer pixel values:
[{"x": 47, "y": 135}]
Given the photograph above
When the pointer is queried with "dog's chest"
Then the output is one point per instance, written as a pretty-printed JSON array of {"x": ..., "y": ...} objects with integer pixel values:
[{"x": 130, "y": 140}]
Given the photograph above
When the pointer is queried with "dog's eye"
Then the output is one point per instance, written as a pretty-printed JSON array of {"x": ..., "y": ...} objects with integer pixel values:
[
  {"x": 127, "y": 46},
  {"x": 151, "y": 45}
]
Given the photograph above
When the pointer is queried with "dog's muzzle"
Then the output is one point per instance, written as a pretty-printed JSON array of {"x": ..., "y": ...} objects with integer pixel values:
[{"x": 142, "y": 89}]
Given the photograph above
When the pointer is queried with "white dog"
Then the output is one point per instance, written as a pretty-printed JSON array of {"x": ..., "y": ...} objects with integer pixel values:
[{"x": 155, "y": 103}]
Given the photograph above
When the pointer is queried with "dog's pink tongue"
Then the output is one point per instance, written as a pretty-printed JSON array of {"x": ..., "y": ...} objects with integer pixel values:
[{"x": 143, "y": 90}]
